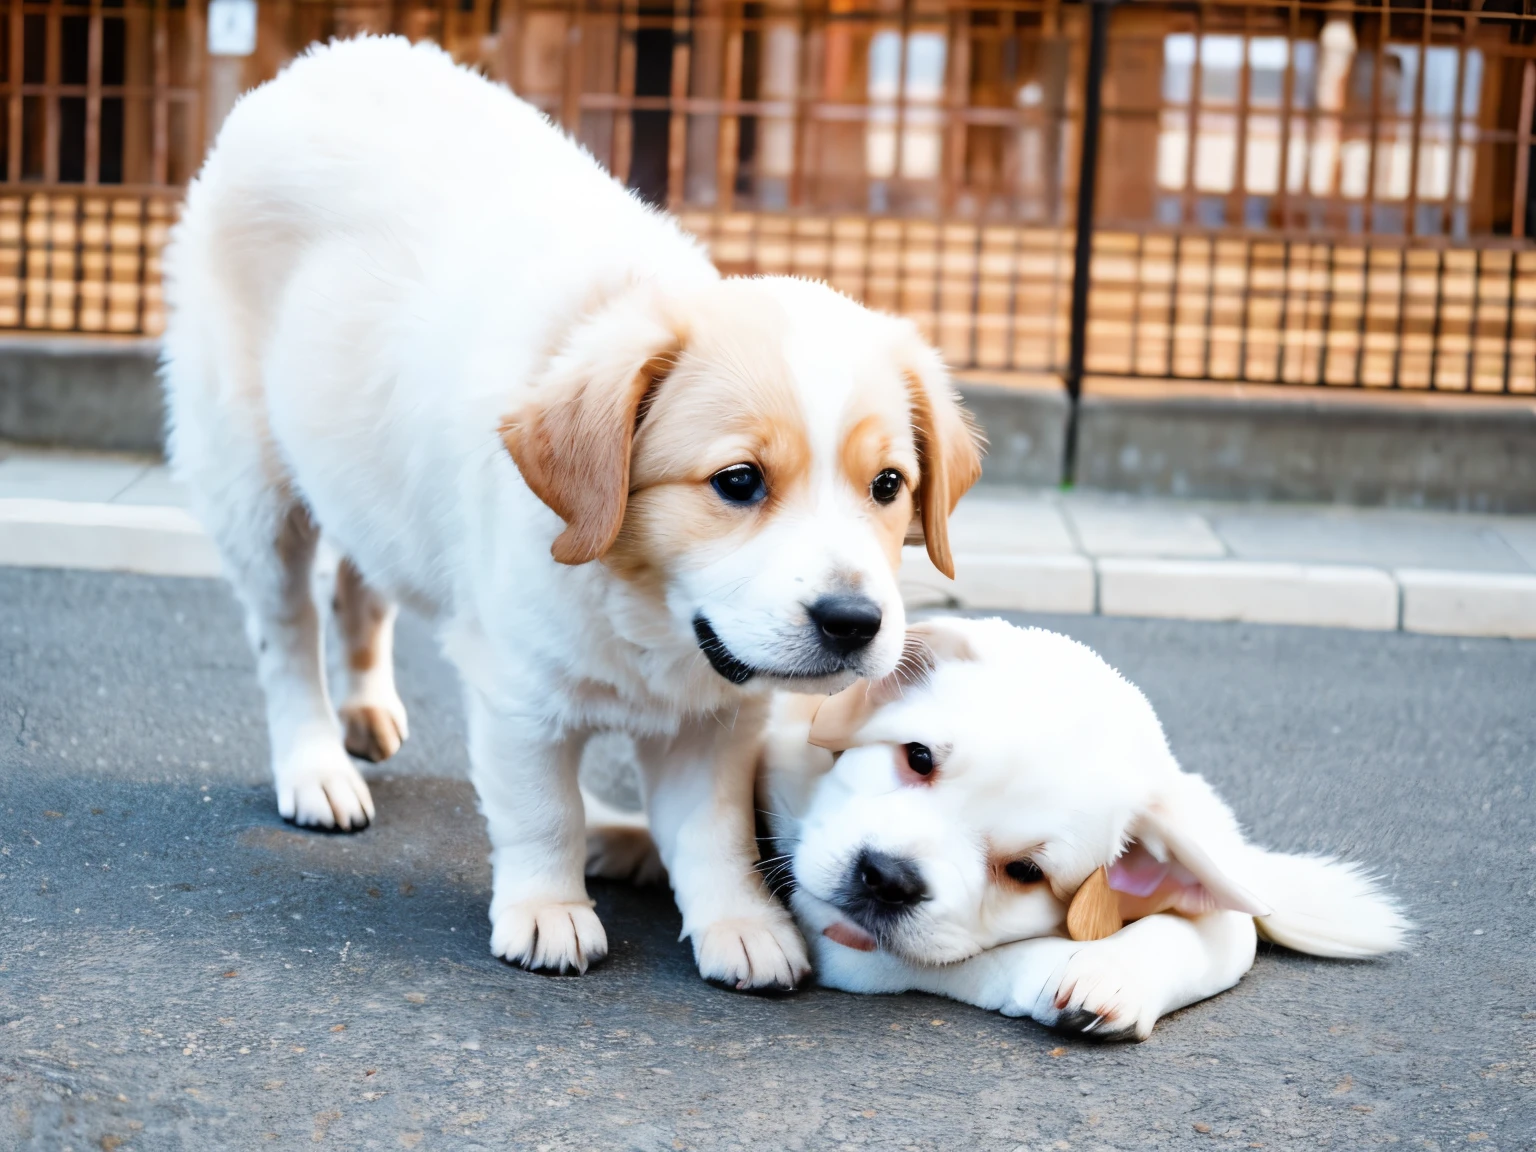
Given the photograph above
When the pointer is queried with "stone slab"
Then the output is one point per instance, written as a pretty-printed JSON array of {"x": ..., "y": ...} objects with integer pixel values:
[
  {"x": 1382, "y": 539},
  {"x": 987, "y": 522},
  {"x": 41, "y": 474},
  {"x": 1107, "y": 527}
]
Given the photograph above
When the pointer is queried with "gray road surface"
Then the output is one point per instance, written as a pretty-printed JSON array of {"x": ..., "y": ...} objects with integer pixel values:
[{"x": 179, "y": 969}]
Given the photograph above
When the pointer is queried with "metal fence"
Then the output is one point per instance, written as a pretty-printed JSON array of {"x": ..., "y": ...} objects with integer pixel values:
[{"x": 1303, "y": 192}]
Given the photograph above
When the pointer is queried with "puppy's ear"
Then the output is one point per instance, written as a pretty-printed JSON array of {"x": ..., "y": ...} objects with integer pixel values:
[
  {"x": 1095, "y": 909},
  {"x": 1187, "y": 855},
  {"x": 949, "y": 448},
  {"x": 935, "y": 641},
  {"x": 572, "y": 442},
  {"x": 837, "y": 722}
]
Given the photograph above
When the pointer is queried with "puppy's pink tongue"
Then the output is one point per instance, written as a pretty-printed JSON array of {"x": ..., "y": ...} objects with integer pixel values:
[{"x": 849, "y": 936}]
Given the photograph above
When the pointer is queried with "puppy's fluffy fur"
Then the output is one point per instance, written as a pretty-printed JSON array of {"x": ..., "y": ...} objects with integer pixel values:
[
  {"x": 1048, "y": 766},
  {"x": 408, "y": 313}
]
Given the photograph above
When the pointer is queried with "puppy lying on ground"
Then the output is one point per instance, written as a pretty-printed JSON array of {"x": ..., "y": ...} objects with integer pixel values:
[
  {"x": 1005, "y": 824},
  {"x": 408, "y": 313}
]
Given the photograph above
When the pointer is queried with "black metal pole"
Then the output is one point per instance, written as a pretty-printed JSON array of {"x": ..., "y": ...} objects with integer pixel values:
[{"x": 1082, "y": 262}]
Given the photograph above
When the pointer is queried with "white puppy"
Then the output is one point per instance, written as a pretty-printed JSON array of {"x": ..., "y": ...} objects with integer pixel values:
[
  {"x": 998, "y": 808},
  {"x": 406, "y": 312}
]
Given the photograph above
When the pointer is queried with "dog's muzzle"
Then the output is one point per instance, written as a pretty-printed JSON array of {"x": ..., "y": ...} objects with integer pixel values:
[
  {"x": 880, "y": 890},
  {"x": 823, "y": 658}
]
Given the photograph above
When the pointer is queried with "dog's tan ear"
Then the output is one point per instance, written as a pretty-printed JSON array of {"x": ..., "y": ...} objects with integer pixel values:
[
  {"x": 936, "y": 641},
  {"x": 929, "y": 643},
  {"x": 949, "y": 448},
  {"x": 838, "y": 719},
  {"x": 1095, "y": 910},
  {"x": 572, "y": 442}
]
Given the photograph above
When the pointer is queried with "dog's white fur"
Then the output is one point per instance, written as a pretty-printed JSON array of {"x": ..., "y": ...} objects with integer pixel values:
[
  {"x": 1045, "y": 754},
  {"x": 391, "y": 279}
]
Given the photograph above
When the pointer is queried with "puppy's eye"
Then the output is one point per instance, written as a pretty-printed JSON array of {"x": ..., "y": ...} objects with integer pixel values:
[
  {"x": 920, "y": 759},
  {"x": 740, "y": 483},
  {"x": 885, "y": 487},
  {"x": 1024, "y": 871}
]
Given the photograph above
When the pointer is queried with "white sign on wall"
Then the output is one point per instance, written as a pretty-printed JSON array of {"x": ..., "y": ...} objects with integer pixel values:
[{"x": 231, "y": 27}]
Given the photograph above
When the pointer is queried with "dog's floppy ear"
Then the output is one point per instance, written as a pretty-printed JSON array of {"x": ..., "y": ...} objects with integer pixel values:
[
  {"x": 949, "y": 448},
  {"x": 1187, "y": 855},
  {"x": 572, "y": 442},
  {"x": 837, "y": 722}
]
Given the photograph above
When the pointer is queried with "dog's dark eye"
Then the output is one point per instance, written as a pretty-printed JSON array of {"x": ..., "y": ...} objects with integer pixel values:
[
  {"x": 1024, "y": 871},
  {"x": 885, "y": 487},
  {"x": 920, "y": 759},
  {"x": 740, "y": 483}
]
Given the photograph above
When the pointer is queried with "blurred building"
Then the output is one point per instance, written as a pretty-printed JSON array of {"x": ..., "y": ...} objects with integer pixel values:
[{"x": 1304, "y": 192}]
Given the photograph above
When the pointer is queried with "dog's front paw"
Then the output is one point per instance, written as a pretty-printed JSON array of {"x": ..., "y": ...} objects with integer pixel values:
[
  {"x": 375, "y": 730},
  {"x": 548, "y": 937},
  {"x": 1100, "y": 993},
  {"x": 319, "y": 788},
  {"x": 762, "y": 953},
  {"x": 619, "y": 852}
]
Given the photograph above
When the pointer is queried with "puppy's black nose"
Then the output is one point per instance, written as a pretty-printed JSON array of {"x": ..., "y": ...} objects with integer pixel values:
[
  {"x": 893, "y": 883},
  {"x": 847, "y": 622}
]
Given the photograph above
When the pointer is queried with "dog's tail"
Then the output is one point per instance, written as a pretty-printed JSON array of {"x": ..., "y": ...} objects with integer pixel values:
[{"x": 1325, "y": 907}]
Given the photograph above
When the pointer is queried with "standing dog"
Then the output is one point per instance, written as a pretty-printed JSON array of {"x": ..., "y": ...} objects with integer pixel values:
[
  {"x": 1004, "y": 824},
  {"x": 409, "y": 314}
]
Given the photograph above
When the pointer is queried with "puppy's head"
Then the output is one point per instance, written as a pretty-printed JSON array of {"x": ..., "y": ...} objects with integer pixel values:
[
  {"x": 750, "y": 460},
  {"x": 981, "y": 789}
]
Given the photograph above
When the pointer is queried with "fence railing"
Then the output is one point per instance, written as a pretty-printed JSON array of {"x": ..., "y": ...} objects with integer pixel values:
[{"x": 1303, "y": 192}]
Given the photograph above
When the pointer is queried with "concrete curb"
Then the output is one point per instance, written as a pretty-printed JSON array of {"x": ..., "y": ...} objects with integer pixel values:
[
  {"x": 161, "y": 541},
  {"x": 1013, "y": 583},
  {"x": 1468, "y": 603},
  {"x": 148, "y": 539},
  {"x": 1329, "y": 596}
]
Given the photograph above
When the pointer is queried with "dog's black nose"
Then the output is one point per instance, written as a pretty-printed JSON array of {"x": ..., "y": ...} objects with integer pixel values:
[
  {"x": 847, "y": 622},
  {"x": 893, "y": 883}
]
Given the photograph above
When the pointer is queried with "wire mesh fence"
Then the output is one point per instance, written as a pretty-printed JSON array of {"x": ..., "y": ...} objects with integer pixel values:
[{"x": 1304, "y": 192}]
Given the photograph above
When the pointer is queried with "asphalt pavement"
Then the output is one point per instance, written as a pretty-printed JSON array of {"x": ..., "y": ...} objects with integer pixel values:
[{"x": 179, "y": 969}]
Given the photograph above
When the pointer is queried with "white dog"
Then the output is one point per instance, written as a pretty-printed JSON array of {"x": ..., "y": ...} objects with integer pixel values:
[
  {"x": 407, "y": 313},
  {"x": 998, "y": 808}
]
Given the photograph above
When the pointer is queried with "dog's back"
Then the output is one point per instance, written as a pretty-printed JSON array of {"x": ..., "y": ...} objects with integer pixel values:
[
  {"x": 414, "y": 160},
  {"x": 376, "y": 254}
]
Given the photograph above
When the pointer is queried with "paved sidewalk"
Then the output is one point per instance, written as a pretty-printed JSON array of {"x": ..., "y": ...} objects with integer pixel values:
[{"x": 1016, "y": 549}]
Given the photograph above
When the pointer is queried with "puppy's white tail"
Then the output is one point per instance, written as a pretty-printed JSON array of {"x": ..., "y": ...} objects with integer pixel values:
[{"x": 1325, "y": 907}]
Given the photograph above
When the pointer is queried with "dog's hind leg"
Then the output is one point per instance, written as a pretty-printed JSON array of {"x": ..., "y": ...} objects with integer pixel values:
[
  {"x": 619, "y": 844},
  {"x": 268, "y": 554},
  {"x": 372, "y": 714}
]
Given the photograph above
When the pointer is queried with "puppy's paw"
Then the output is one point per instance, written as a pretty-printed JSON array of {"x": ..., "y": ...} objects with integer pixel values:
[
  {"x": 375, "y": 729},
  {"x": 762, "y": 953},
  {"x": 319, "y": 788},
  {"x": 1100, "y": 994},
  {"x": 548, "y": 937},
  {"x": 617, "y": 852}
]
